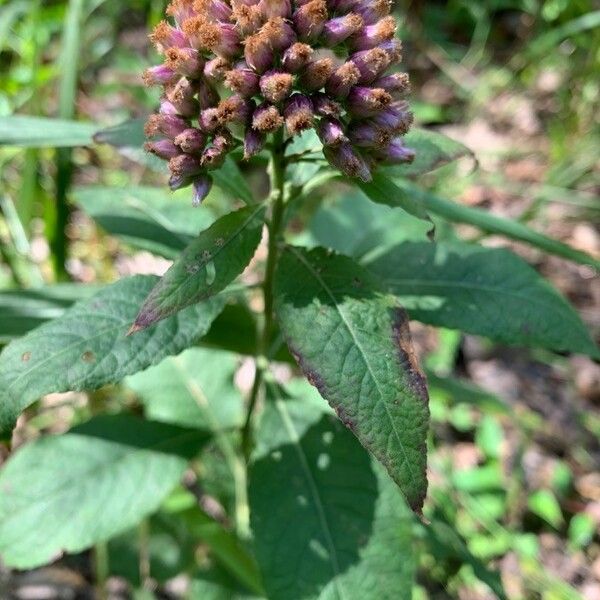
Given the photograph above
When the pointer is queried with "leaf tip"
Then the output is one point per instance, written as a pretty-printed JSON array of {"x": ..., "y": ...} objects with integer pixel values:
[{"x": 135, "y": 328}]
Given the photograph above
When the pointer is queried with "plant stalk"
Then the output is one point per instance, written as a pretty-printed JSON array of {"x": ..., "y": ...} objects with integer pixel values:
[{"x": 275, "y": 226}]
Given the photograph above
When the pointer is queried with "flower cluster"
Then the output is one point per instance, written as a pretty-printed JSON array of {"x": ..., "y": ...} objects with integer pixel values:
[{"x": 238, "y": 70}]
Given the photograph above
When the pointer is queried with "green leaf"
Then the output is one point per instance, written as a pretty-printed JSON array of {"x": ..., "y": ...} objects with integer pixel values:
[
  {"x": 40, "y": 132},
  {"x": 24, "y": 310},
  {"x": 433, "y": 151},
  {"x": 384, "y": 191},
  {"x": 457, "y": 213},
  {"x": 194, "y": 389},
  {"x": 327, "y": 521},
  {"x": 544, "y": 504},
  {"x": 230, "y": 179},
  {"x": 353, "y": 344},
  {"x": 65, "y": 493},
  {"x": 483, "y": 291},
  {"x": 88, "y": 347},
  {"x": 144, "y": 217},
  {"x": 206, "y": 266},
  {"x": 129, "y": 134},
  {"x": 359, "y": 228}
]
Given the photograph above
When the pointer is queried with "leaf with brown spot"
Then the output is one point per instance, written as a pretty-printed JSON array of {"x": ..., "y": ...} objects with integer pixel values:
[
  {"x": 353, "y": 343},
  {"x": 206, "y": 266}
]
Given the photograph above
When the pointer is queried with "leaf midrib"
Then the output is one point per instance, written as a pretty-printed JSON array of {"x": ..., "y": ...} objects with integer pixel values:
[{"x": 367, "y": 363}]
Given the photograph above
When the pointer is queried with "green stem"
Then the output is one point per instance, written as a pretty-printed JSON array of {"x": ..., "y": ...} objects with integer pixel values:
[
  {"x": 277, "y": 177},
  {"x": 101, "y": 564}
]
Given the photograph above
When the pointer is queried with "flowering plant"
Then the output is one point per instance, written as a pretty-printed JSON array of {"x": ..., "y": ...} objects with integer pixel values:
[{"x": 257, "y": 417}]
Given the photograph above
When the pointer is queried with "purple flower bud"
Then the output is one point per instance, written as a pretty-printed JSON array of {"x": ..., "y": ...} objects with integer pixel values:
[
  {"x": 209, "y": 120},
  {"x": 254, "y": 142},
  {"x": 159, "y": 75},
  {"x": 215, "y": 69},
  {"x": 396, "y": 118},
  {"x": 248, "y": 17},
  {"x": 236, "y": 109},
  {"x": 396, "y": 84},
  {"x": 373, "y": 35},
  {"x": 393, "y": 48},
  {"x": 331, "y": 132},
  {"x": 366, "y": 134},
  {"x": 169, "y": 126},
  {"x": 310, "y": 19},
  {"x": 164, "y": 149},
  {"x": 296, "y": 57},
  {"x": 299, "y": 114},
  {"x": 185, "y": 165},
  {"x": 276, "y": 8},
  {"x": 372, "y": 10},
  {"x": 181, "y": 97},
  {"x": 164, "y": 36},
  {"x": 167, "y": 108},
  {"x": 178, "y": 182},
  {"x": 266, "y": 119},
  {"x": 220, "y": 38},
  {"x": 202, "y": 185},
  {"x": 342, "y": 80},
  {"x": 335, "y": 31},
  {"x": 258, "y": 52},
  {"x": 242, "y": 80},
  {"x": 348, "y": 161},
  {"x": 191, "y": 140},
  {"x": 367, "y": 102},
  {"x": 278, "y": 33},
  {"x": 216, "y": 10},
  {"x": 324, "y": 106},
  {"x": 371, "y": 64},
  {"x": 185, "y": 61},
  {"x": 396, "y": 153},
  {"x": 276, "y": 85},
  {"x": 316, "y": 74}
]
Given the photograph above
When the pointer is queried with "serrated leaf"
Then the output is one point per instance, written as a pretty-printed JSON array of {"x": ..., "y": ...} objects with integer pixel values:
[
  {"x": 144, "y": 217},
  {"x": 483, "y": 291},
  {"x": 206, "y": 266},
  {"x": 350, "y": 531},
  {"x": 194, "y": 389},
  {"x": 352, "y": 342},
  {"x": 41, "y": 132},
  {"x": 24, "y": 310},
  {"x": 88, "y": 347},
  {"x": 65, "y": 493},
  {"x": 433, "y": 150}
]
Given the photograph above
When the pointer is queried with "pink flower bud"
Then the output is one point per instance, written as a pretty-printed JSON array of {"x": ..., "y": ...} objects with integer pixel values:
[
  {"x": 266, "y": 119},
  {"x": 254, "y": 142},
  {"x": 243, "y": 80},
  {"x": 164, "y": 149},
  {"x": 191, "y": 140},
  {"x": 367, "y": 102},
  {"x": 340, "y": 29},
  {"x": 296, "y": 56},
  {"x": 310, "y": 19},
  {"x": 185, "y": 165}
]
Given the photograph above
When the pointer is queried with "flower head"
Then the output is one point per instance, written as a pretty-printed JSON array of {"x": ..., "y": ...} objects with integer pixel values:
[{"x": 235, "y": 71}]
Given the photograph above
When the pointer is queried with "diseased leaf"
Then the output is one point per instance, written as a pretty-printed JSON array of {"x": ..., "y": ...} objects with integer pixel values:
[
  {"x": 194, "y": 389},
  {"x": 484, "y": 291},
  {"x": 144, "y": 217},
  {"x": 206, "y": 266},
  {"x": 433, "y": 150},
  {"x": 24, "y": 310},
  {"x": 328, "y": 523},
  {"x": 41, "y": 132},
  {"x": 59, "y": 493},
  {"x": 88, "y": 347},
  {"x": 352, "y": 342}
]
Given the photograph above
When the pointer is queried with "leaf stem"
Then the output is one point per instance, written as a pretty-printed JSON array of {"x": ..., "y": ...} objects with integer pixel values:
[{"x": 278, "y": 201}]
